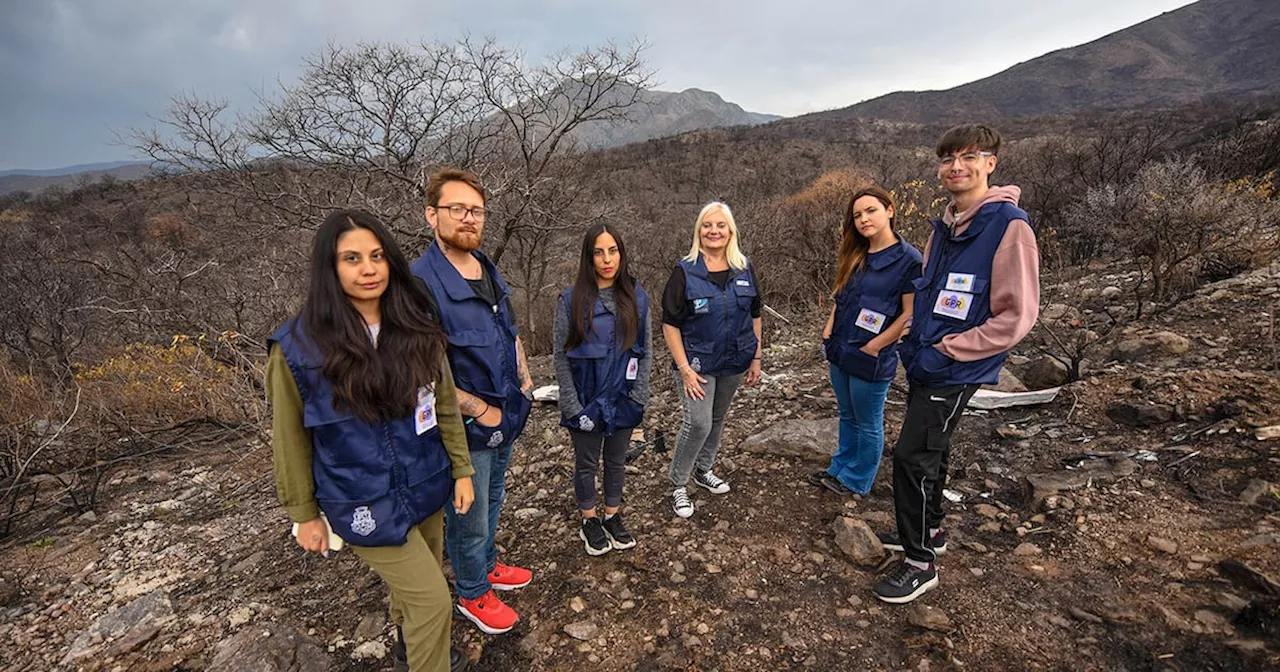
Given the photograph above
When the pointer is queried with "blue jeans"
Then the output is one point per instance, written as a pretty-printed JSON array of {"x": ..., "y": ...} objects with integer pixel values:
[
  {"x": 469, "y": 538},
  {"x": 861, "y": 442}
]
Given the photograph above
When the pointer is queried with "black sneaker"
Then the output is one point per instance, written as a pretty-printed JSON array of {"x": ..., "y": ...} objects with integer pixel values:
[
  {"x": 816, "y": 478},
  {"x": 593, "y": 536},
  {"x": 400, "y": 656},
  {"x": 906, "y": 583},
  {"x": 619, "y": 537},
  {"x": 891, "y": 542},
  {"x": 834, "y": 485}
]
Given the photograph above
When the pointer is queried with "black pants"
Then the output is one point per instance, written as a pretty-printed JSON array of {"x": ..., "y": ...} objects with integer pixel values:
[
  {"x": 920, "y": 463},
  {"x": 587, "y": 447}
]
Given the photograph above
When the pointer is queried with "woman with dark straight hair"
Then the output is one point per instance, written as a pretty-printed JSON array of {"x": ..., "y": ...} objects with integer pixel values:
[
  {"x": 602, "y": 357},
  {"x": 368, "y": 443},
  {"x": 873, "y": 293}
]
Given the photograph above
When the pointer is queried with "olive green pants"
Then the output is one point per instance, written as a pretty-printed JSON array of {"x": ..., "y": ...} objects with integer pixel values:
[{"x": 420, "y": 600}]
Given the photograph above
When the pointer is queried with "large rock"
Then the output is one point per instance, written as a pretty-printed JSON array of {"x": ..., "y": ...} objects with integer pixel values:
[
  {"x": 814, "y": 439},
  {"x": 1038, "y": 487},
  {"x": 1045, "y": 372},
  {"x": 856, "y": 539},
  {"x": 928, "y": 617},
  {"x": 269, "y": 647},
  {"x": 131, "y": 625},
  {"x": 1139, "y": 414},
  {"x": 1158, "y": 344}
]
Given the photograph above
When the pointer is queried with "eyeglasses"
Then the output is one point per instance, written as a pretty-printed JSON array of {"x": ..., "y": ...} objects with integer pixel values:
[
  {"x": 967, "y": 158},
  {"x": 459, "y": 211}
]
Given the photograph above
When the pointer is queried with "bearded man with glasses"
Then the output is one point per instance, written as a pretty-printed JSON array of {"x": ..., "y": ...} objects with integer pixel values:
[
  {"x": 473, "y": 306},
  {"x": 978, "y": 296}
]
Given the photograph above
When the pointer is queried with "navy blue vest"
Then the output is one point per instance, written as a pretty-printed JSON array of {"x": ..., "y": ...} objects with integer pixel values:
[
  {"x": 867, "y": 304},
  {"x": 954, "y": 296},
  {"x": 603, "y": 372},
  {"x": 718, "y": 338},
  {"x": 373, "y": 481},
  {"x": 482, "y": 345}
]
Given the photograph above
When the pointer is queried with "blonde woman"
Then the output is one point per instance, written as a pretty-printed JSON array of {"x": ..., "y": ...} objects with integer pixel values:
[{"x": 711, "y": 323}]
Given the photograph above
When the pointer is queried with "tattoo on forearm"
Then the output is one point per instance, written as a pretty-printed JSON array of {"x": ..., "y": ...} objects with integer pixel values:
[{"x": 469, "y": 404}]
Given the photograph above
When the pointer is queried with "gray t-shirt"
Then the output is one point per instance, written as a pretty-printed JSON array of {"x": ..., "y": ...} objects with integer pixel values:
[{"x": 569, "y": 404}]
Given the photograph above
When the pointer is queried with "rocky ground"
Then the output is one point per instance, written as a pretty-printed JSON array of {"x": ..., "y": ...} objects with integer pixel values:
[{"x": 1130, "y": 524}]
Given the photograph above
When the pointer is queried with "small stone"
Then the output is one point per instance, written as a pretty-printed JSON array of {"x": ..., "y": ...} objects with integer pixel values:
[
  {"x": 713, "y": 569},
  {"x": 977, "y": 571},
  {"x": 582, "y": 630},
  {"x": 1204, "y": 559},
  {"x": 991, "y": 526},
  {"x": 88, "y": 517},
  {"x": 1162, "y": 545},
  {"x": 752, "y": 594},
  {"x": 239, "y": 616},
  {"x": 854, "y": 601},
  {"x": 1026, "y": 549},
  {"x": 986, "y": 510},
  {"x": 703, "y": 628},
  {"x": 928, "y": 617},
  {"x": 1147, "y": 483},
  {"x": 974, "y": 546},
  {"x": 856, "y": 539},
  {"x": 376, "y": 650},
  {"x": 1254, "y": 491},
  {"x": 691, "y": 641},
  {"x": 577, "y": 604},
  {"x": 160, "y": 477},
  {"x": 1232, "y": 602},
  {"x": 628, "y": 604}
]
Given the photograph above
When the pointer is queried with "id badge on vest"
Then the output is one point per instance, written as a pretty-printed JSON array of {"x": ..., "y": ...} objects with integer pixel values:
[
  {"x": 871, "y": 321},
  {"x": 424, "y": 416},
  {"x": 633, "y": 368},
  {"x": 953, "y": 304}
]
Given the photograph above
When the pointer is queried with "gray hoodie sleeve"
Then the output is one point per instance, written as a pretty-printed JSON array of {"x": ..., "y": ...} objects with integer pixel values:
[
  {"x": 640, "y": 391},
  {"x": 569, "y": 405}
]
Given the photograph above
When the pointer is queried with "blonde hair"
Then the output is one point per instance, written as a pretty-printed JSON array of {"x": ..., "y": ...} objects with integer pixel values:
[{"x": 737, "y": 260}]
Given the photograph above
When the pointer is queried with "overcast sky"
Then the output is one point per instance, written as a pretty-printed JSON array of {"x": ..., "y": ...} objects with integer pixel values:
[{"x": 75, "y": 72}]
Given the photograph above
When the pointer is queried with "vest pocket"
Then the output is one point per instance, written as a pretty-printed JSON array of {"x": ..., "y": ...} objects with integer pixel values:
[
  {"x": 378, "y": 521},
  {"x": 859, "y": 364},
  {"x": 931, "y": 366}
]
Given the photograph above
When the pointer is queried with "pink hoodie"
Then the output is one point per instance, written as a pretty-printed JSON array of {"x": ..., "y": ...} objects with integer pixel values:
[{"x": 1015, "y": 285}]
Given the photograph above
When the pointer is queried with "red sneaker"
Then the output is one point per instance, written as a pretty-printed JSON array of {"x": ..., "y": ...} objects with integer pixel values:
[
  {"x": 489, "y": 613},
  {"x": 506, "y": 577}
]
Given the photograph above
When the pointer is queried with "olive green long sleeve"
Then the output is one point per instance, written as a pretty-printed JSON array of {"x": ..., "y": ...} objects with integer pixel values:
[{"x": 291, "y": 441}]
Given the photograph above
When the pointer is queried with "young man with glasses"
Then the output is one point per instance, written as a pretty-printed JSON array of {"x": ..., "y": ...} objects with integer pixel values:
[
  {"x": 978, "y": 296},
  {"x": 489, "y": 366}
]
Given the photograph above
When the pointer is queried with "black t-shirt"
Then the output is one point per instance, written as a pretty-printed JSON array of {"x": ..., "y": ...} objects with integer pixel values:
[{"x": 676, "y": 307}]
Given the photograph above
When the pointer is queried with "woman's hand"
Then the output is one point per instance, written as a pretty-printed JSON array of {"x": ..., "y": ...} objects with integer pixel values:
[
  {"x": 463, "y": 495},
  {"x": 313, "y": 535},
  {"x": 753, "y": 372},
  {"x": 492, "y": 417},
  {"x": 692, "y": 383}
]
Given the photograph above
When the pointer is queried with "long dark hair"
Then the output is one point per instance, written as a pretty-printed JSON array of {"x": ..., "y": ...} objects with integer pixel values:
[
  {"x": 373, "y": 383},
  {"x": 854, "y": 246},
  {"x": 583, "y": 297}
]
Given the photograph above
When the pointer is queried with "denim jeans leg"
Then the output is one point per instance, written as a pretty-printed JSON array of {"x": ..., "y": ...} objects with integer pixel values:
[
  {"x": 497, "y": 497},
  {"x": 466, "y": 536},
  {"x": 868, "y": 409},
  {"x": 847, "y": 441},
  {"x": 726, "y": 386},
  {"x": 695, "y": 426}
]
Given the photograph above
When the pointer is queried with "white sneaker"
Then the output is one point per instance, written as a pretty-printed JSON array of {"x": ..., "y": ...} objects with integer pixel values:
[
  {"x": 711, "y": 482},
  {"x": 680, "y": 502}
]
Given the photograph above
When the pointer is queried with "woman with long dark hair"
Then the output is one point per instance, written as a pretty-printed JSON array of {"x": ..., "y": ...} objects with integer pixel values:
[
  {"x": 368, "y": 442},
  {"x": 872, "y": 306},
  {"x": 602, "y": 358}
]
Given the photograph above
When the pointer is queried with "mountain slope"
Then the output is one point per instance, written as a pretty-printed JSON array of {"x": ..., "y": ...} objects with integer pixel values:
[
  {"x": 1213, "y": 49},
  {"x": 664, "y": 113}
]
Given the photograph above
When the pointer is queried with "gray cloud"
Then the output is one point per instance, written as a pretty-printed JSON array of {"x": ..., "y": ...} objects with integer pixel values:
[{"x": 76, "y": 71}]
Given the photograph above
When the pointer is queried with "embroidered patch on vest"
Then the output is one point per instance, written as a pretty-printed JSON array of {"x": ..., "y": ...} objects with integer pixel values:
[
  {"x": 695, "y": 364},
  {"x": 702, "y": 305},
  {"x": 496, "y": 439},
  {"x": 633, "y": 368},
  {"x": 585, "y": 424},
  {"x": 362, "y": 522}
]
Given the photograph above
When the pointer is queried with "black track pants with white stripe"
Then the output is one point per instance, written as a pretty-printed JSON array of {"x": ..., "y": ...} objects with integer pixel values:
[{"x": 920, "y": 462}]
